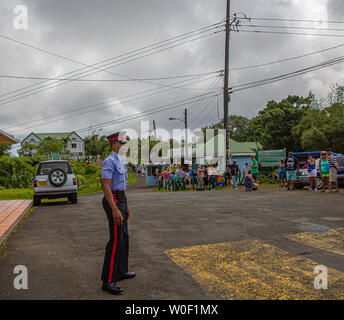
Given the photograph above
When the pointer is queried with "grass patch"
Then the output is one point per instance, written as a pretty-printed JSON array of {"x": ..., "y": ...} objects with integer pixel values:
[
  {"x": 27, "y": 214},
  {"x": 3, "y": 249},
  {"x": 16, "y": 194},
  {"x": 27, "y": 193}
]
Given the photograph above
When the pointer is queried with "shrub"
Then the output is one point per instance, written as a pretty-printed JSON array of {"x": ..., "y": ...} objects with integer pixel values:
[{"x": 16, "y": 172}]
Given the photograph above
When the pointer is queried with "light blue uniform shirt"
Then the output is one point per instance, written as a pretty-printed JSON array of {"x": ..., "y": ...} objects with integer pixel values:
[{"x": 114, "y": 167}]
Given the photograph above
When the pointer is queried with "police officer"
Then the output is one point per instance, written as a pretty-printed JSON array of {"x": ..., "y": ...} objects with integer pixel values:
[{"x": 114, "y": 183}]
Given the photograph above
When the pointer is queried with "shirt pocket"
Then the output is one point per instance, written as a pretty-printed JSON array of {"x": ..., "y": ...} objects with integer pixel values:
[
  {"x": 121, "y": 169},
  {"x": 121, "y": 175}
]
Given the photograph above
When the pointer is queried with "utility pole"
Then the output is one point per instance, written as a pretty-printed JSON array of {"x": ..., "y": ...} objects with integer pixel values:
[
  {"x": 226, "y": 96},
  {"x": 185, "y": 120},
  {"x": 186, "y": 133},
  {"x": 154, "y": 126}
]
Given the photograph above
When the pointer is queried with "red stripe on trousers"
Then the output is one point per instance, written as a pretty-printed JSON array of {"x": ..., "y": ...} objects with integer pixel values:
[{"x": 114, "y": 245}]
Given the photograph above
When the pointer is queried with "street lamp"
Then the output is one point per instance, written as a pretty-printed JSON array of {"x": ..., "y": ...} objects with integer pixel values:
[{"x": 185, "y": 120}]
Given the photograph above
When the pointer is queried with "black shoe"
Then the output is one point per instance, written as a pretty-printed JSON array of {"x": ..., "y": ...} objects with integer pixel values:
[
  {"x": 112, "y": 288},
  {"x": 127, "y": 275}
]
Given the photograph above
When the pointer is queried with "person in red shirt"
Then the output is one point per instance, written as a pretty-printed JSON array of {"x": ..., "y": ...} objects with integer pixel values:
[{"x": 165, "y": 175}]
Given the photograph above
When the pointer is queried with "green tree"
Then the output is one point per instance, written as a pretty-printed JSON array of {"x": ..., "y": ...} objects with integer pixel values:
[
  {"x": 336, "y": 94},
  {"x": 50, "y": 145},
  {"x": 239, "y": 128},
  {"x": 16, "y": 172},
  {"x": 311, "y": 130},
  {"x": 322, "y": 129},
  {"x": 335, "y": 127},
  {"x": 274, "y": 125},
  {"x": 4, "y": 148},
  {"x": 27, "y": 147},
  {"x": 95, "y": 145}
]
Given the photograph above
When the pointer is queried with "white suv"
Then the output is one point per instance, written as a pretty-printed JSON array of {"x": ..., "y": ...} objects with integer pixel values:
[{"x": 54, "y": 179}]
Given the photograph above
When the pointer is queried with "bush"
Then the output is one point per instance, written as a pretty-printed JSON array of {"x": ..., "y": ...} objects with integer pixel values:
[{"x": 16, "y": 172}]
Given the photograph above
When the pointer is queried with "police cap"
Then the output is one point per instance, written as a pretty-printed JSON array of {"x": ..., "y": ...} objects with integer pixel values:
[{"x": 118, "y": 136}]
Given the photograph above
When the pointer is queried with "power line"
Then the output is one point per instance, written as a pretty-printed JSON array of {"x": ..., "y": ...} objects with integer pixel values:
[
  {"x": 211, "y": 86},
  {"x": 291, "y": 27},
  {"x": 117, "y": 102},
  {"x": 109, "y": 65},
  {"x": 148, "y": 112},
  {"x": 93, "y": 66},
  {"x": 201, "y": 122},
  {"x": 287, "y": 75},
  {"x": 297, "y": 20},
  {"x": 287, "y": 59},
  {"x": 206, "y": 107},
  {"x": 244, "y": 104},
  {"x": 107, "y": 80},
  {"x": 295, "y": 33},
  {"x": 30, "y": 93},
  {"x": 209, "y": 89}
]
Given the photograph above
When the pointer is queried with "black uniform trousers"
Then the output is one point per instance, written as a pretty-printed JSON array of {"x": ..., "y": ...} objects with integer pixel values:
[{"x": 117, "y": 249}]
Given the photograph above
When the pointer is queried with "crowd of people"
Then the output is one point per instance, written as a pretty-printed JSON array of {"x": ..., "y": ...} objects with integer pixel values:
[
  {"x": 138, "y": 169},
  {"x": 209, "y": 176},
  {"x": 327, "y": 166}
]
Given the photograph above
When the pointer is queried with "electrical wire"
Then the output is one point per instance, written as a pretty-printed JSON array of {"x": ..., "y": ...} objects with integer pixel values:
[
  {"x": 290, "y": 27},
  {"x": 108, "y": 65},
  {"x": 294, "y": 33},
  {"x": 118, "y": 101},
  {"x": 245, "y": 104},
  {"x": 206, "y": 107},
  {"x": 287, "y": 59},
  {"x": 148, "y": 112},
  {"x": 297, "y": 20},
  {"x": 288, "y": 75},
  {"x": 107, "y": 80}
]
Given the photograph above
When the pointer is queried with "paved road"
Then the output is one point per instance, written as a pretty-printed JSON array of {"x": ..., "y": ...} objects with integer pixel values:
[{"x": 63, "y": 245}]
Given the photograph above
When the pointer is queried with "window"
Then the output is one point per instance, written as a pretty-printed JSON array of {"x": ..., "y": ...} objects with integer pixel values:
[
  {"x": 45, "y": 168},
  {"x": 74, "y": 144}
]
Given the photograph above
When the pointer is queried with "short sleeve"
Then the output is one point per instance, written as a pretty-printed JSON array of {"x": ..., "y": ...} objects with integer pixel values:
[{"x": 108, "y": 169}]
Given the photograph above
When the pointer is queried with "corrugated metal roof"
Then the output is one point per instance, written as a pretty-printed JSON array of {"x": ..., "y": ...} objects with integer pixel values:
[
  {"x": 58, "y": 135},
  {"x": 6, "y": 138},
  {"x": 218, "y": 142}
]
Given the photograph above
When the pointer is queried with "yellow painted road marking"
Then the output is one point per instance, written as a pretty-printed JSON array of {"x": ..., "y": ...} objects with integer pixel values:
[
  {"x": 251, "y": 269},
  {"x": 332, "y": 241}
]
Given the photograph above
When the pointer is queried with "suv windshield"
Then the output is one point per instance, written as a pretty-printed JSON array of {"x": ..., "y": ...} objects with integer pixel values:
[{"x": 45, "y": 168}]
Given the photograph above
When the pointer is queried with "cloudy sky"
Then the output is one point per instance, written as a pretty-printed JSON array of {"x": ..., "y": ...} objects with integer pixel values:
[{"x": 67, "y": 35}]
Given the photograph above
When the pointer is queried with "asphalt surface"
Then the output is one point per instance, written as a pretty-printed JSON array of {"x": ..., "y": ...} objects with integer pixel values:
[{"x": 62, "y": 245}]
